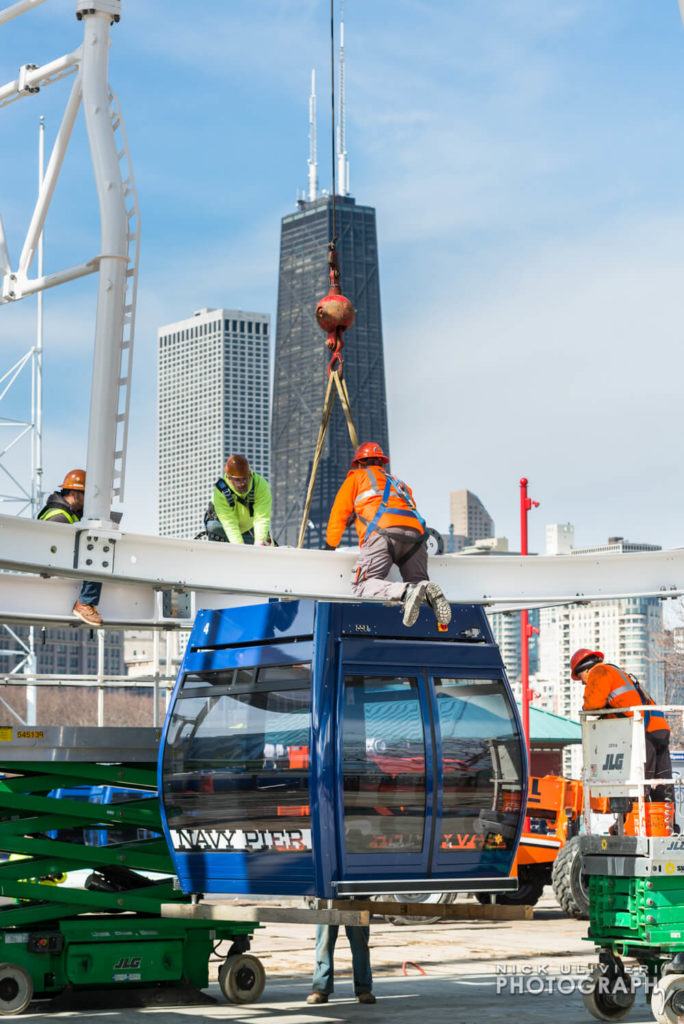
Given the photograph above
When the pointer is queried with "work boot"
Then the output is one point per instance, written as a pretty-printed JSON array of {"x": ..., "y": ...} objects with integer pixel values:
[
  {"x": 316, "y": 997},
  {"x": 366, "y": 997},
  {"x": 87, "y": 613},
  {"x": 414, "y": 595},
  {"x": 438, "y": 603}
]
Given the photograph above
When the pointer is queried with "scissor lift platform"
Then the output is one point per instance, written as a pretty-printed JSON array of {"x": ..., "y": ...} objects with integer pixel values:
[{"x": 84, "y": 920}]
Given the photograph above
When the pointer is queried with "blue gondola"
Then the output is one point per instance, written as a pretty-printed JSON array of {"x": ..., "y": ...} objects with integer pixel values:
[{"x": 324, "y": 749}]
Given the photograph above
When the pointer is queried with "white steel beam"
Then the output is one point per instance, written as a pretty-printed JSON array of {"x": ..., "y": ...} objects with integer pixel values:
[
  {"x": 14, "y": 10},
  {"x": 109, "y": 323},
  {"x": 32, "y": 78},
  {"x": 33, "y": 600},
  {"x": 41, "y": 284},
  {"x": 168, "y": 563},
  {"x": 49, "y": 182}
]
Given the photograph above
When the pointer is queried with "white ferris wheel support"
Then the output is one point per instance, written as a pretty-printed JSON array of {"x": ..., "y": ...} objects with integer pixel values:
[{"x": 117, "y": 260}]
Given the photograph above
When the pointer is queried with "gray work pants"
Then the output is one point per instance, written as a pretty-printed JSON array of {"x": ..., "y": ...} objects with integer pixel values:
[{"x": 377, "y": 556}]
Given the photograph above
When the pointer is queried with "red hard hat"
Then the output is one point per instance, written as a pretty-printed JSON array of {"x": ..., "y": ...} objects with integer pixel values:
[
  {"x": 74, "y": 480},
  {"x": 368, "y": 450},
  {"x": 237, "y": 465},
  {"x": 581, "y": 655}
]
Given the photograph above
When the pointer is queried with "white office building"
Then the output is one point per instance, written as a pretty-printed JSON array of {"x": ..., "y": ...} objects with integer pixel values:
[
  {"x": 626, "y": 630},
  {"x": 213, "y": 400}
]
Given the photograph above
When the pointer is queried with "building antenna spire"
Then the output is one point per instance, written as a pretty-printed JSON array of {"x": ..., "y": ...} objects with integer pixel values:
[
  {"x": 342, "y": 160},
  {"x": 312, "y": 192}
]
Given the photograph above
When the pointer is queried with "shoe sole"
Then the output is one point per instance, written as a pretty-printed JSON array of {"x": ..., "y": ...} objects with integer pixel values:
[
  {"x": 439, "y": 604},
  {"x": 413, "y": 606},
  {"x": 88, "y": 622}
]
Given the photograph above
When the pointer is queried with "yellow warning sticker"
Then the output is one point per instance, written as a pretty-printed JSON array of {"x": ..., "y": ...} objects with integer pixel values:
[
  {"x": 30, "y": 734},
  {"x": 5, "y": 734},
  {"x": 604, "y": 844}
]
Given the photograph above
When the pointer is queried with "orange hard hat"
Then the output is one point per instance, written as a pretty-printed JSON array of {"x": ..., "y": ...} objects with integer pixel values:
[
  {"x": 368, "y": 450},
  {"x": 74, "y": 480},
  {"x": 582, "y": 655},
  {"x": 238, "y": 466}
]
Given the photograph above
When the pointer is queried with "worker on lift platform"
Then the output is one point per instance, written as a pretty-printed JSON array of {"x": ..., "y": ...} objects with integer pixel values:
[
  {"x": 391, "y": 532},
  {"x": 66, "y": 506},
  {"x": 240, "y": 510},
  {"x": 607, "y": 686}
]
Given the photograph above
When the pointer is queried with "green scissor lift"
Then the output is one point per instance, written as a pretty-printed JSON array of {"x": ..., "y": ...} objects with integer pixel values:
[
  {"x": 636, "y": 900},
  {"x": 100, "y": 930},
  {"x": 636, "y": 881}
]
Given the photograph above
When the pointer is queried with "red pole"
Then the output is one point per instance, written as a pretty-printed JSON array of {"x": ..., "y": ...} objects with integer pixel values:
[{"x": 525, "y": 629}]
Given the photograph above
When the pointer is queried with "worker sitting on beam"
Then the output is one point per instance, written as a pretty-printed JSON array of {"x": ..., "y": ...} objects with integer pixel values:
[
  {"x": 66, "y": 506},
  {"x": 391, "y": 532},
  {"x": 240, "y": 510}
]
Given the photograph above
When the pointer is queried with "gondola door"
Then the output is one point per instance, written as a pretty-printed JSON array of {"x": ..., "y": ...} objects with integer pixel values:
[
  {"x": 479, "y": 761},
  {"x": 385, "y": 777}
]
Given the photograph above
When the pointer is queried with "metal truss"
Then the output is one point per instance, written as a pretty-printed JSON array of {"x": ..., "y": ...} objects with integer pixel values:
[
  {"x": 27, "y": 599},
  {"x": 117, "y": 261},
  {"x": 135, "y": 568}
]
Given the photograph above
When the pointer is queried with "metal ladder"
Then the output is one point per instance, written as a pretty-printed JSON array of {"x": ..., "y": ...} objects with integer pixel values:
[{"x": 128, "y": 335}]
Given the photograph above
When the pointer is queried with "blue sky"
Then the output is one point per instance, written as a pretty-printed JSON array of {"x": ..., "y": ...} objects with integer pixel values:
[{"x": 525, "y": 159}]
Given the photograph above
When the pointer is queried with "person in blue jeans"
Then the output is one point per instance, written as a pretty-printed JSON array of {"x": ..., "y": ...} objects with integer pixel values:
[
  {"x": 324, "y": 971},
  {"x": 65, "y": 505}
]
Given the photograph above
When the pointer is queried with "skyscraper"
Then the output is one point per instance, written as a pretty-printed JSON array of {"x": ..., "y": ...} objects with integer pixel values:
[
  {"x": 627, "y": 630},
  {"x": 301, "y": 358},
  {"x": 469, "y": 518},
  {"x": 213, "y": 392}
]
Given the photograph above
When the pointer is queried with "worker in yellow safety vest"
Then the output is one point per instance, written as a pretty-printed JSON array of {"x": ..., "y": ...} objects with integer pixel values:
[
  {"x": 240, "y": 510},
  {"x": 65, "y": 505}
]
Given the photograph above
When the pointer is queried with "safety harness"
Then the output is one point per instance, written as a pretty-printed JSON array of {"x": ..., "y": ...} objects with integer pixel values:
[
  {"x": 231, "y": 497},
  {"x": 632, "y": 683},
  {"x": 247, "y": 500},
  {"x": 401, "y": 490}
]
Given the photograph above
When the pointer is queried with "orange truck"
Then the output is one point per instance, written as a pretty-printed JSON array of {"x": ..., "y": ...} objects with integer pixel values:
[{"x": 548, "y": 853}]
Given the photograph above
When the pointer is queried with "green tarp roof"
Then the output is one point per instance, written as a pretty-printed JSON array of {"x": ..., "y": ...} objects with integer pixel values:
[{"x": 546, "y": 727}]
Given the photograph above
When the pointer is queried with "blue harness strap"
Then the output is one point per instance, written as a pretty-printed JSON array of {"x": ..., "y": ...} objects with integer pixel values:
[
  {"x": 231, "y": 497},
  {"x": 632, "y": 683},
  {"x": 391, "y": 483}
]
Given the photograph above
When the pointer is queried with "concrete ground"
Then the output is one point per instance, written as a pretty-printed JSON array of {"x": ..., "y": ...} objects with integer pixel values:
[{"x": 528, "y": 971}]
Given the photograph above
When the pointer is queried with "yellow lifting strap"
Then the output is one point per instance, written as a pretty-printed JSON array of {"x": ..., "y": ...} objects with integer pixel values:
[{"x": 340, "y": 383}]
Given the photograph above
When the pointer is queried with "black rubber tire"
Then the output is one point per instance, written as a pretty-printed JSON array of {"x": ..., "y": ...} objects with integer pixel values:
[
  {"x": 242, "y": 978},
  {"x": 432, "y": 900},
  {"x": 526, "y": 895},
  {"x": 570, "y": 887},
  {"x": 602, "y": 1007},
  {"x": 16, "y": 989}
]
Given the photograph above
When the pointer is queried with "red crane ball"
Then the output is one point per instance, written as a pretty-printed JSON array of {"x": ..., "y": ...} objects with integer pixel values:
[{"x": 335, "y": 312}]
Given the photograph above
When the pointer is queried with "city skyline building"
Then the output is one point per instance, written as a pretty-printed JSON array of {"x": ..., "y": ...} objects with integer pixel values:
[
  {"x": 301, "y": 358},
  {"x": 506, "y": 630},
  {"x": 469, "y": 518},
  {"x": 301, "y": 355},
  {"x": 627, "y": 630},
  {"x": 213, "y": 400},
  {"x": 65, "y": 651}
]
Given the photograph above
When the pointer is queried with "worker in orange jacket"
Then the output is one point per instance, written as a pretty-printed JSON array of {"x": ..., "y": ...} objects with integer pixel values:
[
  {"x": 607, "y": 686},
  {"x": 391, "y": 532}
]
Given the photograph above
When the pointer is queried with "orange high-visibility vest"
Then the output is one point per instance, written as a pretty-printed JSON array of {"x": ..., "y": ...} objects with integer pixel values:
[
  {"x": 374, "y": 500},
  {"x": 609, "y": 687}
]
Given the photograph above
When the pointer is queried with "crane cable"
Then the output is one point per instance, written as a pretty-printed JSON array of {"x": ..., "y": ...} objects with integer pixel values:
[{"x": 335, "y": 322}]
